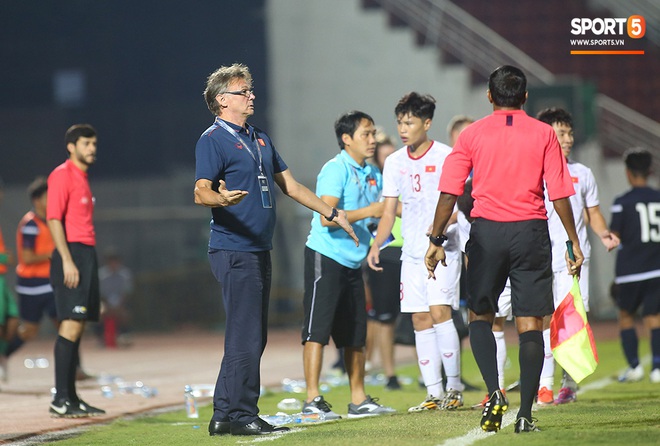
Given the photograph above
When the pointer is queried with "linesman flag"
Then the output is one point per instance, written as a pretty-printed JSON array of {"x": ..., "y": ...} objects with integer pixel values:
[{"x": 571, "y": 338}]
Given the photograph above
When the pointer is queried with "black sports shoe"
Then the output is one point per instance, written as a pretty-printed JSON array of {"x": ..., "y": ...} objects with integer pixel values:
[
  {"x": 524, "y": 425},
  {"x": 491, "y": 417},
  {"x": 89, "y": 409},
  {"x": 66, "y": 409},
  {"x": 393, "y": 383}
]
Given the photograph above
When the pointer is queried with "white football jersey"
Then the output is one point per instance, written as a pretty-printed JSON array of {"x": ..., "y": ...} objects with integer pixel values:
[
  {"x": 586, "y": 196},
  {"x": 415, "y": 182}
]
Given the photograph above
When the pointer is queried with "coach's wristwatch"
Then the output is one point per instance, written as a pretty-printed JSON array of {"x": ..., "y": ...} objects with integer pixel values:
[{"x": 439, "y": 240}]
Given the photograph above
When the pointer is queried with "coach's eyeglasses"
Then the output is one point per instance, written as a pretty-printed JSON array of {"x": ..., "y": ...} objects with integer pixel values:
[{"x": 247, "y": 92}]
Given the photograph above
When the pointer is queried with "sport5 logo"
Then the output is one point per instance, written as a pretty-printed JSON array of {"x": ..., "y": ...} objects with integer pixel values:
[{"x": 635, "y": 26}]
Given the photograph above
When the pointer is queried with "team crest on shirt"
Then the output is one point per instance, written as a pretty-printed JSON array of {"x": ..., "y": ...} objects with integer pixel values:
[
  {"x": 575, "y": 179},
  {"x": 371, "y": 181},
  {"x": 261, "y": 142},
  {"x": 429, "y": 169},
  {"x": 238, "y": 145}
]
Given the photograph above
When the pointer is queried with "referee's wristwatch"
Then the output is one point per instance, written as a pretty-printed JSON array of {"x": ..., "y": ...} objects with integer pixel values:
[
  {"x": 439, "y": 240},
  {"x": 333, "y": 214}
]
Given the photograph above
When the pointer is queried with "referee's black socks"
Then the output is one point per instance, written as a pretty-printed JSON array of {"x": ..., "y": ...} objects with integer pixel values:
[
  {"x": 484, "y": 350},
  {"x": 531, "y": 363}
]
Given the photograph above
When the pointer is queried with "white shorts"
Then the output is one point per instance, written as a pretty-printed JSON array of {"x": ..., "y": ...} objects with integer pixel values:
[
  {"x": 504, "y": 302},
  {"x": 418, "y": 292},
  {"x": 562, "y": 283}
]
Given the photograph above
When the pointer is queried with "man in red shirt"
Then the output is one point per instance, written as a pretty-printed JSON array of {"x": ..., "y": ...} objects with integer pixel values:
[
  {"x": 74, "y": 266},
  {"x": 511, "y": 156}
]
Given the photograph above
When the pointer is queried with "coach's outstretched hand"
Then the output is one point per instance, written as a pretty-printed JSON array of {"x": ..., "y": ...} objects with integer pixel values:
[{"x": 342, "y": 220}]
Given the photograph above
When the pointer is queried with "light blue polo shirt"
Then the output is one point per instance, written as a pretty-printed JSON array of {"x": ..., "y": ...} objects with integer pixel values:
[{"x": 356, "y": 187}]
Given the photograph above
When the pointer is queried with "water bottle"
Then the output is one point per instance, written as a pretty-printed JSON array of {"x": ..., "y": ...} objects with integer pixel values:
[
  {"x": 39, "y": 363},
  {"x": 289, "y": 404},
  {"x": 202, "y": 390},
  {"x": 278, "y": 419},
  {"x": 191, "y": 403},
  {"x": 149, "y": 392},
  {"x": 293, "y": 386},
  {"x": 303, "y": 418},
  {"x": 106, "y": 391}
]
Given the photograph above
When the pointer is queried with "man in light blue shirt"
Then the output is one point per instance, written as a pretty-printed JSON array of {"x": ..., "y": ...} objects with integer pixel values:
[{"x": 334, "y": 299}]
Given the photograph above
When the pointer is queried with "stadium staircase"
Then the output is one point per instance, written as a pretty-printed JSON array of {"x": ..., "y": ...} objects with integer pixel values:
[{"x": 627, "y": 107}]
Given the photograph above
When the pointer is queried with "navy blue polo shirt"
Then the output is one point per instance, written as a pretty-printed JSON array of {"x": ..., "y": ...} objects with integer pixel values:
[{"x": 219, "y": 155}]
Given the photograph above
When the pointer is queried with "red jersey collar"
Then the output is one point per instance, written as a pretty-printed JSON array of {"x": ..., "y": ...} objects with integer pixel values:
[{"x": 427, "y": 151}]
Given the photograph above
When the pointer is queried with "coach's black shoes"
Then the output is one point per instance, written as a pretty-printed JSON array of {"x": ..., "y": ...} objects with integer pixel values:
[
  {"x": 66, "y": 409},
  {"x": 257, "y": 427},
  {"x": 524, "y": 425},
  {"x": 491, "y": 417},
  {"x": 219, "y": 427}
]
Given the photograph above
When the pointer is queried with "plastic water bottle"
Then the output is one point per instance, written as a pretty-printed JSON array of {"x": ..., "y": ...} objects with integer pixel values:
[
  {"x": 278, "y": 419},
  {"x": 293, "y": 386},
  {"x": 138, "y": 388},
  {"x": 202, "y": 390},
  {"x": 39, "y": 363},
  {"x": 308, "y": 417},
  {"x": 106, "y": 391},
  {"x": 191, "y": 403},
  {"x": 289, "y": 404}
]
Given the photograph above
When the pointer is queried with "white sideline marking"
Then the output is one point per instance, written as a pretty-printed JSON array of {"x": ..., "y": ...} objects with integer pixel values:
[
  {"x": 272, "y": 437},
  {"x": 478, "y": 434}
]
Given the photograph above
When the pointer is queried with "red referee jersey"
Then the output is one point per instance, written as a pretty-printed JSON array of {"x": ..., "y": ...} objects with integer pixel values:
[
  {"x": 70, "y": 200},
  {"x": 510, "y": 155}
]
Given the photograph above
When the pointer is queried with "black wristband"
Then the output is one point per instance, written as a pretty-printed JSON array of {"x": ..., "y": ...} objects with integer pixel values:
[
  {"x": 333, "y": 214},
  {"x": 439, "y": 240}
]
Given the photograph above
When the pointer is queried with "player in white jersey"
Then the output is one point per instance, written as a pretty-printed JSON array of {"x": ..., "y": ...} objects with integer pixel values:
[
  {"x": 412, "y": 175},
  {"x": 586, "y": 209}
]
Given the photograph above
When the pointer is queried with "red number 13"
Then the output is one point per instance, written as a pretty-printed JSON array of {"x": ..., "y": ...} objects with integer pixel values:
[{"x": 415, "y": 180}]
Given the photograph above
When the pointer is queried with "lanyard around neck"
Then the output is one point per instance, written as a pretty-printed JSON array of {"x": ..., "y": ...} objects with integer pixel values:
[{"x": 238, "y": 137}]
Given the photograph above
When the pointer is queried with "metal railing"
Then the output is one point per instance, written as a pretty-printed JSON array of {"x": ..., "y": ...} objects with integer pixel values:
[
  {"x": 452, "y": 29},
  {"x": 620, "y": 128}
]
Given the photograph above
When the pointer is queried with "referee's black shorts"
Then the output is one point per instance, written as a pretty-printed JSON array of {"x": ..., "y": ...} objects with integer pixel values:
[
  {"x": 518, "y": 250},
  {"x": 334, "y": 302},
  {"x": 83, "y": 301}
]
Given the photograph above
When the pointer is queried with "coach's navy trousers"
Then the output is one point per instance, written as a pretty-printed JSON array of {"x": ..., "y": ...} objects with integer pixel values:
[{"x": 245, "y": 278}]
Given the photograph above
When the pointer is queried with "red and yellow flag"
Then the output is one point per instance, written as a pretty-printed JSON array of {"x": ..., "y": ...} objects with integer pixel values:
[{"x": 571, "y": 338}]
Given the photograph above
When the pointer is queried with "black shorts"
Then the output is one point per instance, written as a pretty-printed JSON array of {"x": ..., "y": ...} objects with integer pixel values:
[
  {"x": 334, "y": 302},
  {"x": 82, "y": 302},
  {"x": 386, "y": 287},
  {"x": 518, "y": 250},
  {"x": 646, "y": 293}
]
